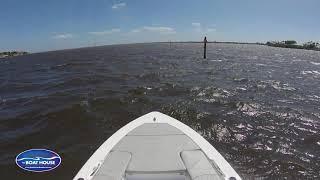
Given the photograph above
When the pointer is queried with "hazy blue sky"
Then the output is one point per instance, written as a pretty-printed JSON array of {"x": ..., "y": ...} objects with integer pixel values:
[{"x": 40, "y": 25}]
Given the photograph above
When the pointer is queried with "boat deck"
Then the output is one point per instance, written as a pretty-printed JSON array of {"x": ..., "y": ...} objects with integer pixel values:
[{"x": 157, "y": 148}]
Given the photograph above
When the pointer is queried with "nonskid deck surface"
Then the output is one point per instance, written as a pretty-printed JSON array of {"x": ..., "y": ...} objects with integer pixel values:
[{"x": 156, "y": 148}]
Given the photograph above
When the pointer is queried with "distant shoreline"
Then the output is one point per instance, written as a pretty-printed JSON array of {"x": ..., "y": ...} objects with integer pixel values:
[
  {"x": 8, "y": 54},
  {"x": 292, "y": 44},
  {"x": 278, "y": 44},
  {"x": 218, "y": 42}
]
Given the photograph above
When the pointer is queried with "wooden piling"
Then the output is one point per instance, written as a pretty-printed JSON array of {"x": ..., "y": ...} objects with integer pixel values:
[{"x": 205, "y": 48}]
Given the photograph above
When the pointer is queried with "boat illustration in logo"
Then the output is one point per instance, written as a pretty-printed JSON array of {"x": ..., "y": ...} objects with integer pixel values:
[{"x": 38, "y": 160}]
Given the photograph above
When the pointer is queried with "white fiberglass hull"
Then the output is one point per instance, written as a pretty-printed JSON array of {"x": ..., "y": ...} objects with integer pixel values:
[{"x": 156, "y": 145}]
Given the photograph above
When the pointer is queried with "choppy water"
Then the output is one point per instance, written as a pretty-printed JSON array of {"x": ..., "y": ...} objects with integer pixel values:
[{"x": 259, "y": 106}]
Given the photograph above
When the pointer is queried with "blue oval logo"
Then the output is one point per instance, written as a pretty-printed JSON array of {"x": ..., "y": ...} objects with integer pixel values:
[{"x": 38, "y": 160}]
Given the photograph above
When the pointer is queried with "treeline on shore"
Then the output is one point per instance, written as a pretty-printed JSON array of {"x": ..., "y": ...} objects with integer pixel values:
[
  {"x": 12, "y": 53},
  {"x": 293, "y": 44}
]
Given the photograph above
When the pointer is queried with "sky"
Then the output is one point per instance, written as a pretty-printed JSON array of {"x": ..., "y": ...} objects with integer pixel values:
[{"x": 38, "y": 25}]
